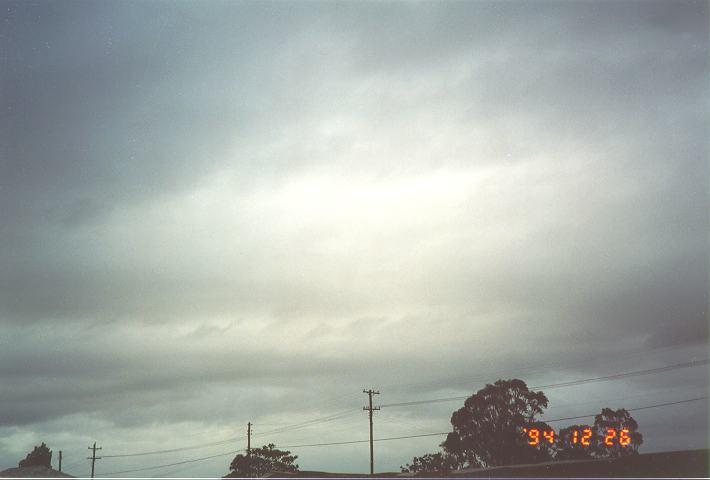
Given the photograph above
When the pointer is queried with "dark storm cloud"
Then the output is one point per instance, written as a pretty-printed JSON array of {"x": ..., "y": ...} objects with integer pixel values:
[
  {"x": 103, "y": 107},
  {"x": 85, "y": 132}
]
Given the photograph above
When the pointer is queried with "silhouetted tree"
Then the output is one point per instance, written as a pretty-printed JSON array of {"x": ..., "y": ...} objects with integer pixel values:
[
  {"x": 40, "y": 456},
  {"x": 488, "y": 430},
  {"x": 262, "y": 461},
  {"x": 576, "y": 442},
  {"x": 612, "y": 429},
  {"x": 433, "y": 462}
]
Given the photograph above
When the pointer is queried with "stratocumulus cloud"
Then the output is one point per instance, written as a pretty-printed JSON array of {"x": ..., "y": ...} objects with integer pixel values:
[{"x": 213, "y": 212}]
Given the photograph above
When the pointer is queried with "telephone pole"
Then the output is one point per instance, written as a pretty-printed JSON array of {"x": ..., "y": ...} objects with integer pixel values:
[
  {"x": 60, "y": 460},
  {"x": 369, "y": 409},
  {"x": 248, "y": 439},
  {"x": 93, "y": 457}
]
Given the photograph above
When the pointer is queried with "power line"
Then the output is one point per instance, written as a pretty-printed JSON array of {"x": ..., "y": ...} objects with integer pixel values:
[
  {"x": 667, "y": 368},
  {"x": 343, "y": 414},
  {"x": 171, "y": 464},
  {"x": 630, "y": 409},
  {"x": 330, "y": 400},
  {"x": 446, "y": 433},
  {"x": 460, "y": 379},
  {"x": 280, "y": 446},
  {"x": 289, "y": 427},
  {"x": 350, "y": 442},
  {"x": 325, "y": 401},
  {"x": 169, "y": 473},
  {"x": 281, "y": 424},
  {"x": 625, "y": 398},
  {"x": 74, "y": 463},
  {"x": 399, "y": 421},
  {"x": 558, "y": 385},
  {"x": 551, "y": 420},
  {"x": 307, "y": 423},
  {"x": 178, "y": 449},
  {"x": 605, "y": 378}
]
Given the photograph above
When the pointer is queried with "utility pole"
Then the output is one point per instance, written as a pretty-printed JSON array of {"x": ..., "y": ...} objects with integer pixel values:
[
  {"x": 93, "y": 457},
  {"x": 60, "y": 460},
  {"x": 248, "y": 439},
  {"x": 369, "y": 409}
]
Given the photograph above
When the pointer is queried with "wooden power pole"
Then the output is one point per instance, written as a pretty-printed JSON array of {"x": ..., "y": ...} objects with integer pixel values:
[
  {"x": 60, "y": 460},
  {"x": 248, "y": 439},
  {"x": 93, "y": 457},
  {"x": 369, "y": 409}
]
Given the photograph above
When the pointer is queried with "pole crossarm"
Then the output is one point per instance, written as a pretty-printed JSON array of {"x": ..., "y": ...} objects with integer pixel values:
[
  {"x": 369, "y": 409},
  {"x": 93, "y": 457}
]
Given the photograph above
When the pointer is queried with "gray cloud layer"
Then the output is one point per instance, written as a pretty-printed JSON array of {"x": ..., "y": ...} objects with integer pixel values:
[{"x": 260, "y": 199}]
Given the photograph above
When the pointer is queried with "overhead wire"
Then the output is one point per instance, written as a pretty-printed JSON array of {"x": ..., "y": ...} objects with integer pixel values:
[
  {"x": 605, "y": 378},
  {"x": 328, "y": 418},
  {"x": 325, "y": 401},
  {"x": 401, "y": 422},
  {"x": 446, "y": 433},
  {"x": 649, "y": 371},
  {"x": 457, "y": 380},
  {"x": 349, "y": 412},
  {"x": 631, "y": 409},
  {"x": 309, "y": 423},
  {"x": 181, "y": 468},
  {"x": 171, "y": 464},
  {"x": 653, "y": 392},
  {"x": 288, "y": 427},
  {"x": 173, "y": 450},
  {"x": 349, "y": 442},
  {"x": 75, "y": 462}
]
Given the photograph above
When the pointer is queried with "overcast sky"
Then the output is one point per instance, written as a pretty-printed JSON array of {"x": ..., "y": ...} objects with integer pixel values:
[{"x": 220, "y": 212}]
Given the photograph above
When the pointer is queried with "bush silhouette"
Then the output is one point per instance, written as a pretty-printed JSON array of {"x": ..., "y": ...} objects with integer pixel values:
[{"x": 40, "y": 456}]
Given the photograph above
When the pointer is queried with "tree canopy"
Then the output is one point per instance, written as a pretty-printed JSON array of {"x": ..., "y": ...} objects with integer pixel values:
[
  {"x": 487, "y": 430},
  {"x": 433, "y": 462},
  {"x": 40, "y": 456},
  {"x": 617, "y": 434},
  {"x": 499, "y": 425},
  {"x": 261, "y": 461},
  {"x": 575, "y": 442}
]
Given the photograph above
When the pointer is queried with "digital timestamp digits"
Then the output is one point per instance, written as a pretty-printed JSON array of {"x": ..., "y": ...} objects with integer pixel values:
[{"x": 584, "y": 438}]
